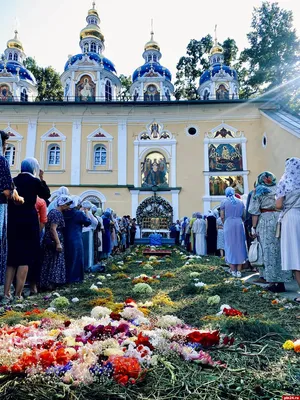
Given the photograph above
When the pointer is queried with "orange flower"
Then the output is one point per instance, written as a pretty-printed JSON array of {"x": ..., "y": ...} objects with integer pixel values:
[
  {"x": 297, "y": 346},
  {"x": 245, "y": 290},
  {"x": 275, "y": 301}
]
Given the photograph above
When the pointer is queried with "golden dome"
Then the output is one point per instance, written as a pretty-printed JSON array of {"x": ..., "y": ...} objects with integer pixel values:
[
  {"x": 92, "y": 11},
  {"x": 15, "y": 43},
  {"x": 91, "y": 31},
  {"x": 152, "y": 44},
  {"x": 216, "y": 49}
]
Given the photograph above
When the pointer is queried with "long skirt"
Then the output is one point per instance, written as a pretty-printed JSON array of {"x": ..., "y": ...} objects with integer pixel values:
[
  {"x": 235, "y": 241},
  {"x": 290, "y": 240},
  {"x": 3, "y": 241},
  {"x": 200, "y": 244},
  {"x": 266, "y": 229}
]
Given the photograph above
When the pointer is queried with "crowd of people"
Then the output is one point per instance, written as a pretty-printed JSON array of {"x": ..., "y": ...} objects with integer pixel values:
[
  {"x": 42, "y": 241},
  {"x": 230, "y": 229}
]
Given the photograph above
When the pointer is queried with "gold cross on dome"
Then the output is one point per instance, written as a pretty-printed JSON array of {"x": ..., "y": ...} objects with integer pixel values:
[{"x": 93, "y": 5}]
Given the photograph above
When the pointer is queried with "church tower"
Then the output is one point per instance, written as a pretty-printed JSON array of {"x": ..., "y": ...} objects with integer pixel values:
[
  {"x": 151, "y": 81},
  {"x": 89, "y": 76},
  {"x": 220, "y": 82},
  {"x": 16, "y": 82}
]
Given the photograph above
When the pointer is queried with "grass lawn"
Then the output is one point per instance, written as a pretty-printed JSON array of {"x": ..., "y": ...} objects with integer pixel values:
[{"x": 186, "y": 351}]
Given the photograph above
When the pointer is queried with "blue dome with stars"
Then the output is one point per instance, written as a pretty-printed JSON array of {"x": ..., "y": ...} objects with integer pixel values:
[
  {"x": 156, "y": 68},
  {"x": 24, "y": 73},
  {"x": 107, "y": 64},
  {"x": 215, "y": 69}
]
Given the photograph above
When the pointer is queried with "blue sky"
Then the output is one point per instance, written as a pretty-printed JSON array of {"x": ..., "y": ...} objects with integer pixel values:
[{"x": 49, "y": 29}]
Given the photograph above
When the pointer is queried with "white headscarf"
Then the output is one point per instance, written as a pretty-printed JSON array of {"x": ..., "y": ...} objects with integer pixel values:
[
  {"x": 87, "y": 204},
  {"x": 290, "y": 180},
  {"x": 76, "y": 201},
  {"x": 63, "y": 200},
  {"x": 61, "y": 191}
]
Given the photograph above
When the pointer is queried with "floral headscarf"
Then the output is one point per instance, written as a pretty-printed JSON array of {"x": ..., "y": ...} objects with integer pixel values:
[
  {"x": 76, "y": 201},
  {"x": 229, "y": 193},
  {"x": 290, "y": 180},
  {"x": 63, "y": 200},
  {"x": 264, "y": 181}
]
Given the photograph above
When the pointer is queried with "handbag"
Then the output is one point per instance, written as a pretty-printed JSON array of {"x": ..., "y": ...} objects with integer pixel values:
[
  {"x": 256, "y": 253},
  {"x": 50, "y": 244},
  {"x": 278, "y": 224}
]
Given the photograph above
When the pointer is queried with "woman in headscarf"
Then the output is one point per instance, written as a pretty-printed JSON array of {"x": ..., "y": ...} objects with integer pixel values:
[
  {"x": 75, "y": 220},
  {"x": 99, "y": 232},
  {"x": 288, "y": 199},
  {"x": 107, "y": 247},
  {"x": 262, "y": 207},
  {"x": 54, "y": 267},
  {"x": 199, "y": 230},
  {"x": 6, "y": 191},
  {"x": 212, "y": 233},
  {"x": 232, "y": 210},
  {"x": 220, "y": 238},
  {"x": 61, "y": 191},
  {"x": 23, "y": 230}
]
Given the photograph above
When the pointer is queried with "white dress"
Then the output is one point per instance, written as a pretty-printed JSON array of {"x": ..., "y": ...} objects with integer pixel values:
[
  {"x": 290, "y": 233},
  {"x": 199, "y": 230},
  {"x": 220, "y": 242}
]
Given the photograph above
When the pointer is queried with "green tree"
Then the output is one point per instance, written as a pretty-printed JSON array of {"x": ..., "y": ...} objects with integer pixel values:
[
  {"x": 126, "y": 83},
  {"x": 272, "y": 58},
  {"x": 191, "y": 66},
  {"x": 48, "y": 81}
]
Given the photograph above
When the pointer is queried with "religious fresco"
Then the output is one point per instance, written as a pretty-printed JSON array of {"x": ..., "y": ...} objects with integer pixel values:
[
  {"x": 155, "y": 171},
  {"x": 5, "y": 93},
  {"x": 225, "y": 157},
  {"x": 85, "y": 89},
  {"x": 218, "y": 184}
]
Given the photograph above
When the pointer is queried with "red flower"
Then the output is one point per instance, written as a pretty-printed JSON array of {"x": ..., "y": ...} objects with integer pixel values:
[
  {"x": 16, "y": 368},
  {"x": 47, "y": 358},
  {"x": 144, "y": 340},
  {"x": 4, "y": 369},
  {"x": 206, "y": 339},
  {"x": 126, "y": 369},
  {"x": 128, "y": 301},
  {"x": 67, "y": 323},
  {"x": 115, "y": 316},
  {"x": 232, "y": 312},
  {"x": 62, "y": 357}
]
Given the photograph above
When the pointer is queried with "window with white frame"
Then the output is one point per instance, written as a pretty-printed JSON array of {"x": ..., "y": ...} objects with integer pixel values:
[
  {"x": 10, "y": 154},
  {"x": 100, "y": 155},
  {"x": 54, "y": 155},
  {"x": 154, "y": 58},
  {"x": 24, "y": 95},
  {"x": 108, "y": 91},
  {"x": 93, "y": 47},
  {"x": 15, "y": 57},
  {"x": 10, "y": 56}
]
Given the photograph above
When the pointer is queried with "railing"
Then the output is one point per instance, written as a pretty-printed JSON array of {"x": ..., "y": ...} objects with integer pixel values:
[{"x": 99, "y": 99}]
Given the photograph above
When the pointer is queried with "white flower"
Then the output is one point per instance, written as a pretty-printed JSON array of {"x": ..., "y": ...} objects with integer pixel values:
[
  {"x": 168, "y": 320},
  {"x": 131, "y": 313},
  {"x": 200, "y": 284},
  {"x": 51, "y": 309},
  {"x": 94, "y": 287},
  {"x": 108, "y": 274},
  {"x": 101, "y": 278},
  {"x": 56, "y": 294},
  {"x": 99, "y": 312},
  {"x": 194, "y": 274},
  {"x": 75, "y": 300},
  {"x": 99, "y": 283}
]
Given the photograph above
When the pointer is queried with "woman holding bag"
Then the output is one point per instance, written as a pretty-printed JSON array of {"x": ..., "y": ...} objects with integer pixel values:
[
  {"x": 288, "y": 199},
  {"x": 264, "y": 219}
]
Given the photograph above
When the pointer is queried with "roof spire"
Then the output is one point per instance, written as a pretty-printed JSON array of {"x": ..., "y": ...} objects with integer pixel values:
[
  {"x": 151, "y": 33},
  {"x": 16, "y": 34},
  {"x": 94, "y": 4},
  {"x": 216, "y": 40}
]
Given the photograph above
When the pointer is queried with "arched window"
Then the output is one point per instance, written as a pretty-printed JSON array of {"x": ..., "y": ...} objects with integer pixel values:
[
  {"x": 10, "y": 154},
  {"x": 24, "y": 95},
  {"x": 54, "y": 155},
  {"x": 149, "y": 58},
  {"x": 10, "y": 56},
  {"x": 155, "y": 170},
  {"x": 93, "y": 47},
  {"x": 108, "y": 91},
  {"x": 154, "y": 57},
  {"x": 151, "y": 94},
  {"x": 15, "y": 57},
  {"x": 100, "y": 154}
]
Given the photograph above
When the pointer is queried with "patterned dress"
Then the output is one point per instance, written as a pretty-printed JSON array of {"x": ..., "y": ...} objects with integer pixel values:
[
  {"x": 220, "y": 242},
  {"x": 6, "y": 183},
  {"x": 54, "y": 266},
  {"x": 266, "y": 229}
]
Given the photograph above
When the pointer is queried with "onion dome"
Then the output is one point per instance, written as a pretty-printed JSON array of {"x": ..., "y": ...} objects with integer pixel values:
[
  {"x": 93, "y": 11},
  {"x": 107, "y": 64},
  {"x": 152, "y": 44},
  {"x": 148, "y": 67},
  {"x": 91, "y": 31},
  {"x": 16, "y": 68},
  {"x": 15, "y": 43},
  {"x": 216, "y": 49},
  {"x": 207, "y": 75}
]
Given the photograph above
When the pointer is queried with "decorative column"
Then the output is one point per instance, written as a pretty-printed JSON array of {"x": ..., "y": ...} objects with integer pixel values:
[
  {"x": 136, "y": 164},
  {"x": 175, "y": 204},
  {"x": 122, "y": 153},
  {"x": 76, "y": 153},
  {"x": 31, "y": 138},
  {"x": 173, "y": 166},
  {"x": 134, "y": 202}
]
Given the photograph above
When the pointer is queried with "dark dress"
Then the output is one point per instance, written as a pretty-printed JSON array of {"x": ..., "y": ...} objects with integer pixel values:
[
  {"x": 23, "y": 231},
  {"x": 6, "y": 183},
  {"x": 54, "y": 266},
  {"x": 74, "y": 256},
  {"x": 212, "y": 235},
  {"x": 106, "y": 248}
]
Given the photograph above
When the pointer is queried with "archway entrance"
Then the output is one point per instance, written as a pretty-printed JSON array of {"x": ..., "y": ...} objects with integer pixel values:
[{"x": 154, "y": 214}]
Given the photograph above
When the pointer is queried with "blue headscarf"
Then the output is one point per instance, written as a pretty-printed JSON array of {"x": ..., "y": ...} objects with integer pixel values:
[
  {"x": 230, "y": 193},
  {"x": 31, "y": 166},
  {"x": 264, "y": 181}
]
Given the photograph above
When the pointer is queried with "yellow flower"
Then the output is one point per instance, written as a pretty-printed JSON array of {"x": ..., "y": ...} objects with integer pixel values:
[
  {"x": 288, "y": 345},
  {"x": 54, "y": 332},
  {"x": 113, "y": 352},
  {"x": 70, "y": 341}
]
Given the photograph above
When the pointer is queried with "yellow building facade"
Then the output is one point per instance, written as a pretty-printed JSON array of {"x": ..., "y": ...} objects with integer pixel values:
[{"x": 117, "y": 154}]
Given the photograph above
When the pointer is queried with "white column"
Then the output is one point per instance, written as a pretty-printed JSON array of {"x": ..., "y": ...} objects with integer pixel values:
[
  {"x": 175, "y": 204},
  {"x": 134, "y": 202},
  {"x": 206, "y": 159},
  {"x": 246, "y": 184},
  {"x": 76, "y": 153},
  {"x": 31, "y": 138},
  {"x": 136, "y": 165},
  {"x": 206, "y": 205},
  {"x": 244, "y": 155},
  {"x": 173, "y": 166},
  {"x": 122, "y": 153}
]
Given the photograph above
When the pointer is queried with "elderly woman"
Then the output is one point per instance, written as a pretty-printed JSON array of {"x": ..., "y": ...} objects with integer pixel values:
[
  {"x": 23, "y": 231},
  {"x": 75, "y": 220},
  {"x": 54, "y": 268},
  {"x": 199, "y": 230},
  {"x": 212, "y": 233},
  {"x": 98, "y": 241},
  {"x": 232, "y": 210},
  {"x": 264, "y": 219},
  {"x": 107, "y": 245},
  {"x": 288, "y": 199},
  {"x": 62, "y": 191}
]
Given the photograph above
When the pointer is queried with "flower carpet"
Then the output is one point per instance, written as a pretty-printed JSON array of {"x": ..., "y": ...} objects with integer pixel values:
[{"x": 174, "y": 327}]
